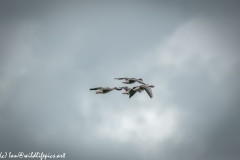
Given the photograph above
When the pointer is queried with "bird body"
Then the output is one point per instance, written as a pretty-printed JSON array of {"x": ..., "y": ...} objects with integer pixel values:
[
  {"x": 127, "y": 89},
  {"x": 139, "y": 89}
]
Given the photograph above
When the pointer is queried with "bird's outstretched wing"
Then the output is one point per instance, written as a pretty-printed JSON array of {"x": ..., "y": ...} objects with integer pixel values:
[
  {"x": 148, "y": 90},
  {"x": 139, "y": 81},
  {"x": 131, "y": 93},
  {"x": 95, "y": 88},
  {"x": 120, "y": 78}
]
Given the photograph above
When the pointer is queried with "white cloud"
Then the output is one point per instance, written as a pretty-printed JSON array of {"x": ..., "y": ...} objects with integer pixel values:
[
  {"x": 202, "y": 43},
  {"x": 144, "y": 125}
]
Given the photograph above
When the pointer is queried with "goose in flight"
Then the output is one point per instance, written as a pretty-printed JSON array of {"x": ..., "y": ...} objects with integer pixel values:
[
  {"x": 126, "y": 88},
  {"x": 103, "y": 90},
  {"x": 145, "y": 87},
  {"x": 131, "y": 80}
]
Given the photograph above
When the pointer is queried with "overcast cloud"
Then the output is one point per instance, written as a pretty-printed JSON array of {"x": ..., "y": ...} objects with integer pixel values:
[{"x": 52, "y": 52}]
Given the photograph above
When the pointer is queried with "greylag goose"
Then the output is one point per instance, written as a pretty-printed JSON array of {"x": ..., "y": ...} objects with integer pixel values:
[
  {"x": 131, "y": 80},
  {"x": 103, "y": 90},
  {"x": 145, "y": 87},
  {"x": 127, "y": 89}
]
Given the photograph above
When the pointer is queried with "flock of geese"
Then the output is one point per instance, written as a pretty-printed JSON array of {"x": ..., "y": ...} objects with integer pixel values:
[{"x": 128, "y": 91}]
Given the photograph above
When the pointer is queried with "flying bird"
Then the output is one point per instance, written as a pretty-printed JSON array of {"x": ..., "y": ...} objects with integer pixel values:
[
  {"x": 126, "y": 88},
  {"x": 131, "y": 80},
  {"x": 103, "y": 90},
  {"x": 128, "y": 91},
  {"x": 145, "y": 87}
]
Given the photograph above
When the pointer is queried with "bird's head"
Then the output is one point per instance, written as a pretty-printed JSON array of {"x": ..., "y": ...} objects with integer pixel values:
[{"x": 152, "y": 86}]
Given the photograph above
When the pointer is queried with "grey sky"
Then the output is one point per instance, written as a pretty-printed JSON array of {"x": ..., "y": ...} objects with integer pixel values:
[{"x": 52, "y": 52}]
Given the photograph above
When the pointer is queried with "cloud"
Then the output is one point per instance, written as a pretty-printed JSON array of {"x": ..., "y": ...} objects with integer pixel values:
[
  {"x": 199, "y": 43},
  {"x": 55, "y": 52}
]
